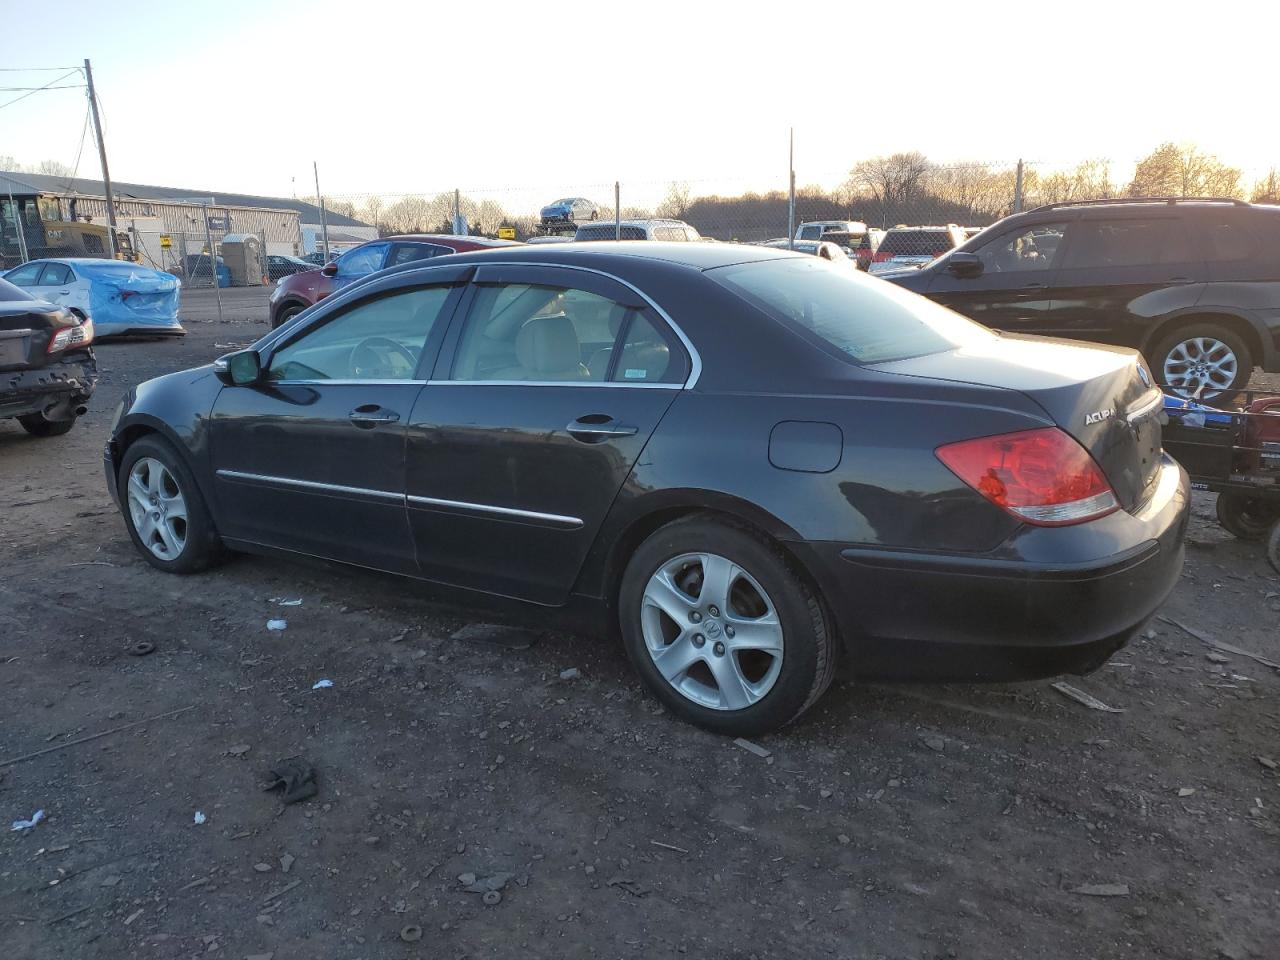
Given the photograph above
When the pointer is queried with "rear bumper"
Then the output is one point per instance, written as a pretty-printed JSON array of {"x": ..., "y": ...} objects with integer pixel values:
[
  {"x": 1049, "y": 601},
  {"x": 63, "y": 386}
]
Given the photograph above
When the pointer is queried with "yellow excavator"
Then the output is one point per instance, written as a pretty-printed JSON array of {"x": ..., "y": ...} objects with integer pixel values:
[{"x": 34, "y": 227}]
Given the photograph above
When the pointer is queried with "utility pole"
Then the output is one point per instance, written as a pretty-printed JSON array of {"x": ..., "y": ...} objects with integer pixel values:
[
  {"x": 213, "y": 260},
  {"x": 1017, "y": 189},
  {"x": 102, "y": 155},
  {"x": 791, "y": 201},
  {"x": 324, "y": 221},
  {"x": 617, "y": 209}
]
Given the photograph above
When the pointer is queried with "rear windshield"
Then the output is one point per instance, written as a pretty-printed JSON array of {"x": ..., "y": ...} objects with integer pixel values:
[
  {"x": 605, "y": 231},
  {"x": 864, "y": 319},
  {"x": 9, "y": 292},
  {"x": 915, "y": 243}
]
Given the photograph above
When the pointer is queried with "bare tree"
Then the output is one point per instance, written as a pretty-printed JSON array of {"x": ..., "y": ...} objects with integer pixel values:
[
  {"x": 1267, "y": 190},
  {"x": 676, "y": 203},
  {"x": 1088, "y": 180},
  {"x": 53, "y": 168},
  {"x": 1183, "y": 171},
  {"x": 895, "y": 179}
]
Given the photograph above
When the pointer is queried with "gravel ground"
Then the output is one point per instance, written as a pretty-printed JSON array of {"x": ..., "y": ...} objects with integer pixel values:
[{"x": 894, "y": 821}]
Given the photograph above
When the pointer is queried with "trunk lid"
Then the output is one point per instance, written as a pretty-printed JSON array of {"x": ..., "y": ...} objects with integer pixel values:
[
  {"x": 1102, "y": 396},
  {"x": 26, "y": 327}
]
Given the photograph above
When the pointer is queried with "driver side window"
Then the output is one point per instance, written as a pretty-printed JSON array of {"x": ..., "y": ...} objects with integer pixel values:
[
  {"x": 377, "y": 339},
  {"x": 1030, "y": 249}
]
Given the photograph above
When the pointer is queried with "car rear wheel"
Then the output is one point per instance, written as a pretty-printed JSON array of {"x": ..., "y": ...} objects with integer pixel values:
[
  {"x": 722, "y": 629},
  {"x": 164, "y": 511},
  {"x": 36, "y": 425},
  {"x": 1249, "y": 518},
  {"x": 287, "y": 314},
  {"x": 1203, "y": 361}
]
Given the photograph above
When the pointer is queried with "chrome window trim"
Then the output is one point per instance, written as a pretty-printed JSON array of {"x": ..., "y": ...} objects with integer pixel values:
[
  {"x": 343, "y": 383},
  {"x": 309, "y": 484},
  {"x": 572, "y": 523},
  {"x": 556, "y": 383},
  {"x": 695, "y": 359}
]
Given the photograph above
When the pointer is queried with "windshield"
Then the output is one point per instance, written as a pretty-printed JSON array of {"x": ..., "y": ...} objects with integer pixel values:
[{"x": 866, "y": 320}]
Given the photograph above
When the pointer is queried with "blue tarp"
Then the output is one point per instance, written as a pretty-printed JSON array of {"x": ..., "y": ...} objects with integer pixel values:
[
  {"x": 127, "y": 297},
  {"x": 1193, "y": 414}
]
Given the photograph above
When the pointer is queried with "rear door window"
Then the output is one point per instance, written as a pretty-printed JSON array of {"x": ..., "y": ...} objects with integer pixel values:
[
  {"x": 1134, "y": 242},
  {"x": 1227, "y": 241},
  {"x": 55, "y": 275},
  {"x": 408, "y": 252}
]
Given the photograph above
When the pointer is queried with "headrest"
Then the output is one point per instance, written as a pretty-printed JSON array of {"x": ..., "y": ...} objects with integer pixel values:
[{"x": 548, "y": 345}]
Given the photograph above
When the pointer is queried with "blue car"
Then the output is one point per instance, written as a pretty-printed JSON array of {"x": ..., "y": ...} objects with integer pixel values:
[
  {"x": 118, "y": 296},
  {"x": 569, "y": 210}
]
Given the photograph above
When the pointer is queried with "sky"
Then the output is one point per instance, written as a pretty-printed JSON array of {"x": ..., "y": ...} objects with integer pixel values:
[{"x": 561, "y": 98}]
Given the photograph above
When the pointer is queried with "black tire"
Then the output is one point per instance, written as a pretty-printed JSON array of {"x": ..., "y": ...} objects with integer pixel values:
[
  {"x": 1249, "y": 518},
  {"x": 202, "y": 548},
  {"x": 809, "y": 651},
  {"x": 1273, "y": 546},
  {"x": 287, "y": 314},
  {"x": 1163, "y": 347},
  {"x": 36, "y": 425}
]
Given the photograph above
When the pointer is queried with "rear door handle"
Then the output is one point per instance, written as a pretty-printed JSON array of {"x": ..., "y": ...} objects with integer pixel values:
[
  {"x": 369, "y": 415},
  {"x": 597, "y": 427}
]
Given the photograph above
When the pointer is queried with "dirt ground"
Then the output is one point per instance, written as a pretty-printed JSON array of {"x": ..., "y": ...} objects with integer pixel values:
[{"x": 893, "y": 822}]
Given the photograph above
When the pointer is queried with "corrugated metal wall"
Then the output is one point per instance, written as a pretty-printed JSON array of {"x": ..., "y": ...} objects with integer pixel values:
[{"x": 279, "y": 226}]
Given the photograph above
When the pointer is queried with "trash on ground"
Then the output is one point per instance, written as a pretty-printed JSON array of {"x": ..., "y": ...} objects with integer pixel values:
[
  {"x": 633, "y": 888},
  {"x": 750, "y": 747},
  {"x": 277, "y": 624},
  {"x": 133, "y": 916},
  {"x": 140, "y": 649},
  {"x": 1186, "y": 791},
  {"x": 199, "y": 818},
  {"x": 286, "y": 862},
  {"x": 239, "y": 750},
  {"x": 28, "y": 824},
  {"x": 573, "y": 673},
  {"x": 322, "y": 685},
  {"x": 497, "y": 881},
  {"x": 933, "y": 742},
  {"x": 1079, "y": 696},
  {"x": 1221, "y": 645},
  {"x": 275, "y": 894},
  {"x": 282, "y": 602},
  {"x": 1103, "y": 890},
  {"x": 491, "y": 898},
  {"x": 1267, "y": 762},
  {"x": 296, "y": 777},
  {"x": 495, "y": 635},
  {"x": 411, "y": 933}
]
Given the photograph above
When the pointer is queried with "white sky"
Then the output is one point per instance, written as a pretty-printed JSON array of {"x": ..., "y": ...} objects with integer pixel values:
[{"x": 557, "y": 97}]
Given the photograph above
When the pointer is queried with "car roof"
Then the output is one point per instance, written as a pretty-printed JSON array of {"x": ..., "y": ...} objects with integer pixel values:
[
  {"x": 430, "y": 237},
  {"x": 635, "y": 223},
  {"x": 600, "y": 255}
]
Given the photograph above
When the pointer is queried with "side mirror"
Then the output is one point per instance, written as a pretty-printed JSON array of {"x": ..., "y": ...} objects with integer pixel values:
[
  {"x": 240, "y": 369},
  {"x": 329, "y": 270},
  {"x": 964, "y": 265}
]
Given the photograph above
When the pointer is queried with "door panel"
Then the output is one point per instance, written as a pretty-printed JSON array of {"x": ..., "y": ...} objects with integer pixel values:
[
  {"x": 1119, "y": 275},
  {"x": 544, "y": 397},
  {"x": 313, "y": 458},
  {"x": 1014, "y": 290}
]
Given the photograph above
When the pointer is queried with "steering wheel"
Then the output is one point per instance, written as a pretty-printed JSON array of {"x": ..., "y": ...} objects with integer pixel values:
[{"x": 375, "y": 357}]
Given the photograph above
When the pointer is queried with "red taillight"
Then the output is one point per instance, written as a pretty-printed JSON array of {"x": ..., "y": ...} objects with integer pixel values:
[
  {"x": 70, "y": 338},
  {"x": 881, "y": 256},
  {"x": 1041, "y": 476}
]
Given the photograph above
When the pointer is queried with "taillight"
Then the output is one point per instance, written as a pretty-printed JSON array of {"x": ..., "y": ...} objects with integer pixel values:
[
  {"x": 881, "y": 256},
  {"x": 72, "y": 338},
  {"x": 1041, "y": 476}
]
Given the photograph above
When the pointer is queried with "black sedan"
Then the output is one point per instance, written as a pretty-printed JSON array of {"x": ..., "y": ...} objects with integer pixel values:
[{"x": 748, "y": 463}]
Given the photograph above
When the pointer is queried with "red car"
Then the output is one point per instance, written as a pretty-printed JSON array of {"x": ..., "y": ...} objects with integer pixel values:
[{"x": 295, "y": 293}]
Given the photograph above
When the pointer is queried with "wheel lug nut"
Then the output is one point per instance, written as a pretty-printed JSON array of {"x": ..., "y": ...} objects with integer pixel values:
[
  {"x": 729, "y": 632},
  {"x": 713, "y": 610},
  {"x": 699, "y": 640},
  {"x": 696, "y": 617},
  {"x": 719, "y": 649}
]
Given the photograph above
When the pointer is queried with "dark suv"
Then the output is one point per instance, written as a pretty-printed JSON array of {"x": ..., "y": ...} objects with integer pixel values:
[{"x": 1194, "y": 284}]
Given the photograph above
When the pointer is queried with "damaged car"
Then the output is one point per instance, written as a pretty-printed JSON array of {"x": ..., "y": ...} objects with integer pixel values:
[{"x": 47, "y": 367}]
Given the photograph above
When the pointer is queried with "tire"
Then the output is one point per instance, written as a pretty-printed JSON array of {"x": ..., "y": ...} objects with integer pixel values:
[
  {"x": 36, "y": 425},
  {"x": 1249, "y": 518},
  {"x": 1273, "y": 546},
  {"x": 186, "y": 547},
  {"x": 287, "y": 314},
  {"x": 771, "y": 605},
  {"x": 1228, "y": 362}
]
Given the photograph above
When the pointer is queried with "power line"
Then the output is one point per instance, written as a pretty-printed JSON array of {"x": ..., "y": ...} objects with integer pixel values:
[
  {"x": 35, "y": 69},
  {"x": 30, "y": 93},
  {"x": 65, "y": 86}
]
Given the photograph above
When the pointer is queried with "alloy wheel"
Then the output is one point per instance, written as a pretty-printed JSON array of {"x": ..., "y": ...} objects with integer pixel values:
[
  {"x": 157, "y": 508},
  {"x": 712, "y": 631},
  {"x": 1200, "y": 365}
]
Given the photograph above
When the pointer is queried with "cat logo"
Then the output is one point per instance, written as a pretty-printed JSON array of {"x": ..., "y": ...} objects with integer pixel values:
[{"x": 1099, "y": 415}]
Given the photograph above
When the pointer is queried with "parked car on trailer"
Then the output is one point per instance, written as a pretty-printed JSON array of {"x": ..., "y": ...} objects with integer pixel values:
[
  {"x": 569, "y": 210},
  {"x": 296, "y": 292},
  {"x": 1190, "y": 283},
  {"x": 118, "y": 296},
  {"x": 47, "y": 368},
  {"x": 747, "y": 462}
]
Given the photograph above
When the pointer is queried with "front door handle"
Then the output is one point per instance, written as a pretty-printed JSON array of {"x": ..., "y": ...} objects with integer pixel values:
[
  {"x": 369, "y": 415},
  {"x": 598, "y": 427}
]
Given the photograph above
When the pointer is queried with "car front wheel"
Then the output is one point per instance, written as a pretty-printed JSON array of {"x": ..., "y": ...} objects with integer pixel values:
[
  {"x": 722, "y": 629},
  {"x": 287, "y": 314},
  {"x": 164, "y": 510}
]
